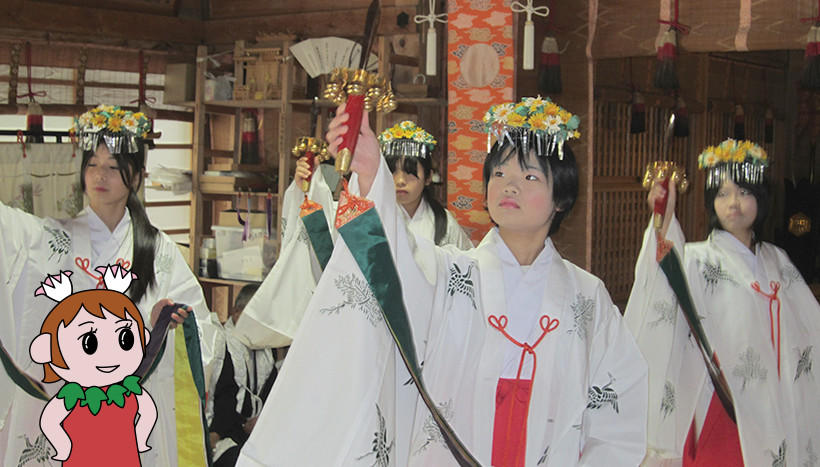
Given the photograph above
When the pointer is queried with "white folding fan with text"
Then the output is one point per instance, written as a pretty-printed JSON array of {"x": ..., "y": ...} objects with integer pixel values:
[{"x": 322, "y": 54}]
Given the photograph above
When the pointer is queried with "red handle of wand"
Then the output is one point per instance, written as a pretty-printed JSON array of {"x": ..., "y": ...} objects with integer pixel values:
[
  {"x": 310, "y": 158},
  {"x": 660, "y": 204},
  {"x": 355, "y": 109}
]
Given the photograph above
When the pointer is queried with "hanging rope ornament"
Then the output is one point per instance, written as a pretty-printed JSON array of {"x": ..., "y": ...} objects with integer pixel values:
[
  {"x": 666, "y": 76},
  {"x": 34, "y": 113},
  {"x": 432, "y": 41},
  {"x": 811, "y": 71},
  {"x": 141, "y": 100},
  {"x": 529, "y": 29}
]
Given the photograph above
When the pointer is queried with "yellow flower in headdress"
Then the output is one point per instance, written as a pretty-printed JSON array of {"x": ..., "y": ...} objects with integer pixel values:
[
  {"x": 539, "y": 121},
  {"x": 514, "y": 119},
  {"x": 407, "y": 130},
  {"x": 115, "y": 124}
]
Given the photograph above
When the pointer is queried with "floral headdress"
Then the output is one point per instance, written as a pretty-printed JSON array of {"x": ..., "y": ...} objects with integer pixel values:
[
  {"x": 406, "y": 139},
  {"x": 120, "y": 129},
  {"x": 741, "y": 161},
  {"x": 534, "y": 117}
]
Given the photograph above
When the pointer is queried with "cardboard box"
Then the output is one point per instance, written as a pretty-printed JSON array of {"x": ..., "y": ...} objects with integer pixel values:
[{"x": 180, "y": 83}]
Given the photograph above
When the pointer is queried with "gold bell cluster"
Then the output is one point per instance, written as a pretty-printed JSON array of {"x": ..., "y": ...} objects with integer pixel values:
[
  {"x": 315, "y": 146},
  {"x": 377, "y": 92},
  {"x": 660, "y": 170}
]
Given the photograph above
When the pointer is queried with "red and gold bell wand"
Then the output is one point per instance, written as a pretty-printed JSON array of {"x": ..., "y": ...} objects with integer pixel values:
[
  {"x": 360, "y": 89},
  {"x": 661, "y": 172},
  {"x": 314, "y": 150}
]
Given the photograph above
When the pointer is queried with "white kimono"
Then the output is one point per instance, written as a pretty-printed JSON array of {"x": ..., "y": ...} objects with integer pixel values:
[
  {"x": 423, "y": 224},
  {"x": 776, "y": 416},
  {"x": 273, "y": 315},
  {"x": 30, "y": 248},
  {"x": 343, "y": 396}
]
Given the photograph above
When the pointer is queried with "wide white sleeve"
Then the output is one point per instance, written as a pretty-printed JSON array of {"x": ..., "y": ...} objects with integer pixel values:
[
  {"x": 618, "y": 380},
  {"x": 455, "y": 234},
  {"x": 22, "y": 234},
  {"x": 653, "y": 316}
]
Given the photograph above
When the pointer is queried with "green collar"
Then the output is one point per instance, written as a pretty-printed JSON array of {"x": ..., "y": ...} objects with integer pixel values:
[{"x": 93, "y": 397}]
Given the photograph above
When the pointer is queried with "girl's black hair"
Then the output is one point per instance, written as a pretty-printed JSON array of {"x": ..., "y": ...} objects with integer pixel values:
[
  {"x": 145, "y": 234},
  {"x": 410, "y": 166},
  {"x": 564, "y": 171},
  {"x": 761, "y": 193}
]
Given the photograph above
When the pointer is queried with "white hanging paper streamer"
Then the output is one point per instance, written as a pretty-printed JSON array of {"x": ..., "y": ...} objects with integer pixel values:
[
  {"x": 431, "y": 18},
  {"x": 529, "y": 30}
]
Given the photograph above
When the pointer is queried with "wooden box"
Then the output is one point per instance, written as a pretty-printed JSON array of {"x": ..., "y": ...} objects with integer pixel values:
[{"x": 180, "y": 81}]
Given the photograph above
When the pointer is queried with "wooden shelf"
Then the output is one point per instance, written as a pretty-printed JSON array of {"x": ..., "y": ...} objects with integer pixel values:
[
  {"x": 419, "y": 101},
  {"x": 231, "y": 194},
  {"x": 217, "y": 282}
]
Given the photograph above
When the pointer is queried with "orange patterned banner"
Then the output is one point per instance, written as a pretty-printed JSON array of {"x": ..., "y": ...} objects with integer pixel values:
[{"x": 480, "y": 68}]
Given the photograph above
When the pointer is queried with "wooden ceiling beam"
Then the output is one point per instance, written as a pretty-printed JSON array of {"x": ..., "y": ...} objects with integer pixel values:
[
  {"x": 32, "y": 15},
  {"x": 307, "y": 24}
]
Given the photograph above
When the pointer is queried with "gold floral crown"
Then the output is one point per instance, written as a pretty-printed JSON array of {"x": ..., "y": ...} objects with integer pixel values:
[
  {"x": 742, "y": 161},
  {"x": 406, "y": 139},
  {"x": 119, "y": 129},
  {"x": 534, "y": 117}
]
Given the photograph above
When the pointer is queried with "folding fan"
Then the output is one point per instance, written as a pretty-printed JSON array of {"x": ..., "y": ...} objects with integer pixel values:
[{"x": 322, "y": 54}]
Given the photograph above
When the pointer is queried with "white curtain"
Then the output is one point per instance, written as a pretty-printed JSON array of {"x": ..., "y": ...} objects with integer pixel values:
[{"x": 45, "y": 183}]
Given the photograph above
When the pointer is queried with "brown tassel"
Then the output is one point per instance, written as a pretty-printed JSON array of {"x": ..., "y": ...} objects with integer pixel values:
[
  {"x": 811, "y": 70},
  {"x": 637, "y": 120},
  {"x": 549, "y": 72},
  {"x": 665, "y": 75},
  {"x": 740, "y": 123},
  {"x": 681, "y": 119},
  {"x": 768, "y": 128}
]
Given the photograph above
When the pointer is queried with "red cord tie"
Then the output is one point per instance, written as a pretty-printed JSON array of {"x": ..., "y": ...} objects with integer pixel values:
[
  {"x": 773, "y": 298},
  {"x": 500, "y": 323},
  {"x": 84, "y": 263},
  {"x": 21, "y": 139}
]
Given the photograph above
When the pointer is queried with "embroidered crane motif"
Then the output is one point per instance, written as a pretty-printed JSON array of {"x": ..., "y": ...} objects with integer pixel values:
[
  {"x": 357, "y": 295},
  {"x": 602, "y": 395},
  {"x": 582, "y": 311},
  {"x": 40, "y": 452},
  {"x": 666, "y": 312},
  {"x": 431, "y": 429},
  {"x": 60, "y": 243},
  {"x": 804, "y": 362},
  {"x": 779, "y": 458},
  {"x": 461, "y": 283},
  {"x": 790, "y": 275},
  {"x": 544, "y": 456},
  {"x": 749, "y": 368},
  {"x": 303, "y": 234},
  {"x": 668, "y": 401},
  {"x": 713, "y": 274},
  {"x": 380, "y": 447}
]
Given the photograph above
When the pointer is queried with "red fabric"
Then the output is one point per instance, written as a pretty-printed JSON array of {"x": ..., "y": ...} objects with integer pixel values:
[
  {"x": 107, "y": 438},
  {"x": 719, "y": 442},
  {"x": 512, "y": 403},
  {"x": 666, "y": 51},
  {"x": 550, "y": 59},
  {"x": 812, "y": 49}
]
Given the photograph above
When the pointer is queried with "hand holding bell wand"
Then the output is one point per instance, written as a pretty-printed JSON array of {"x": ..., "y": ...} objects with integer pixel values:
[
  {"x": 663, "y": 194},
  {"x": 368, "y": 154},
  {"x": 310, "y": 152}
]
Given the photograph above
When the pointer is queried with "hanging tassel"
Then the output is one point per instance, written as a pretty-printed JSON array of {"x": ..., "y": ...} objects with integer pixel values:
[
  {"x": 528, "y": 56},
  {"x": 250, "y": 139},
  {"x": 34, "y": 122},
  {"x": 811, "y": 70},
  {"x": 681, "y": 119},
  {"x": 665, "y": 75},
  {"x": 637, "y": 121},
  {"x": 432, "y": 40},
  {"x": 768, "y": 128},
  {"x": 740, "y": 123},
  {"x": 549, "y": 72}
]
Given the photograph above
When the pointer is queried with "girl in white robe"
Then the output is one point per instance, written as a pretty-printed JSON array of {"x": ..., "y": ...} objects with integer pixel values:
[
  {"x": 108, "y": 231},
  {"x": 343, "y": 396},
  {"x": 760, "y": 318},
  {"x": 410, "y": 162}
]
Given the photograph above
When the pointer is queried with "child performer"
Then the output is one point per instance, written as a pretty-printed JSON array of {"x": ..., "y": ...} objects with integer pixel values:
[
  {"x": 757, "y": 315},
  {"x": 523, "y": 353}
]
